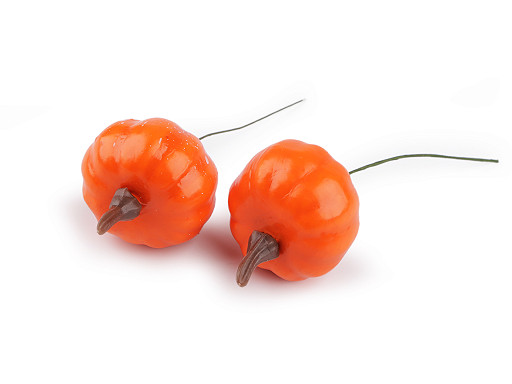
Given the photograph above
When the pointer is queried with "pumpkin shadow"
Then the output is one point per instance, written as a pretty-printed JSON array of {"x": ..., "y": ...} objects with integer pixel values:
[
  {"x": 221, "y": 244},
  {"x": 214, "y": 242}
]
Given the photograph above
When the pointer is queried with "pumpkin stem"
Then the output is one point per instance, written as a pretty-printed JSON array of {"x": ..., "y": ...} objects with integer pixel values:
[
  {"x": 422, "y": 155},
  {"x": 123, "y": 207},
  {"x": 255, "y": 121},
  {"x": 262, "y": 247}
]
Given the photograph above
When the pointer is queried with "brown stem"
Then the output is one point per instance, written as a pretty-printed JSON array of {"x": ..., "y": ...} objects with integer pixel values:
[
  {"x": 123, "y": 207},
  {"x": 262, "y": 247}
]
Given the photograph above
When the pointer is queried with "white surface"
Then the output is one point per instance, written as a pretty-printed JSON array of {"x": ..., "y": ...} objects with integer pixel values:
[{"x": 422, "y": 296}]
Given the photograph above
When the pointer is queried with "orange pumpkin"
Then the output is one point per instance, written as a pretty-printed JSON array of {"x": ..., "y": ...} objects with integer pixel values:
[
  {"x": 294, "y": 211},
  {"x": 149, "y": 182}
]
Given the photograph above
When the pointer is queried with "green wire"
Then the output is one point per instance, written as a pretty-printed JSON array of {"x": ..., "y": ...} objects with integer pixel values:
[
  {"x": 421, "y": 155},
  {"x": 255, "y": 121}
]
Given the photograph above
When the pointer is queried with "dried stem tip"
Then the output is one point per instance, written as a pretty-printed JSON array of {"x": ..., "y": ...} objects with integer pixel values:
[
  {"x": 262, "y": 247},
  {"x": 123, "y": 207}
]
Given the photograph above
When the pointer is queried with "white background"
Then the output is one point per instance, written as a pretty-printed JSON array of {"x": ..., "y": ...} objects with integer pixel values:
[{"x": 422, "y": 296}]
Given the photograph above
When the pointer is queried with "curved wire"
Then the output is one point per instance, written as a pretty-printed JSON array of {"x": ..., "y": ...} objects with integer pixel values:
[
  {"x": 421, "y": 155},
  {"x": 255, "y": 121}
]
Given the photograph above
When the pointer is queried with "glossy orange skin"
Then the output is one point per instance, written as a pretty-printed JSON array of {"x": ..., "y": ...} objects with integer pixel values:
[
  {"x": 303, "y": 198},
  {"x": 164, "y": 167}
]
